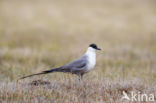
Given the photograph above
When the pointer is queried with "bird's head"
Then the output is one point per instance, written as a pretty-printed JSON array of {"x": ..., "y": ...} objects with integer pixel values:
[{"x": 93, "y": 48}]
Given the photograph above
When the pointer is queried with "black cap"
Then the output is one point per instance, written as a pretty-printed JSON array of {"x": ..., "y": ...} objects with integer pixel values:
[{"x": 94, "y": 46}]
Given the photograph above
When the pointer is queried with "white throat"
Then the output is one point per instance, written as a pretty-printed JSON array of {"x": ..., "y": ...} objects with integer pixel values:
[
  {"x": 91, "y": 50},
  {"x": 91, "y": 54}
]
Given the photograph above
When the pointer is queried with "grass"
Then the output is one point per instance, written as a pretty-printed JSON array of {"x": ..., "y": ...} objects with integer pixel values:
[{"x": 39, "y": 35}]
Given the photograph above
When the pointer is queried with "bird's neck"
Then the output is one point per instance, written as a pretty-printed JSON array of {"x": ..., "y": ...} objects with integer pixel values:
[
  {"x": 91, "y": 52},
  {"x": 91, "y": 58}
]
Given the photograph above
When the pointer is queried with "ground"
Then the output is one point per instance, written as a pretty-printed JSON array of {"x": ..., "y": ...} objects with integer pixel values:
[{"x": 40, "y": 35}]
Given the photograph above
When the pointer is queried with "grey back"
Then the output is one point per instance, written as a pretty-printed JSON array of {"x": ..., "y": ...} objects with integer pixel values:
[{"x": 77, "y": 66}]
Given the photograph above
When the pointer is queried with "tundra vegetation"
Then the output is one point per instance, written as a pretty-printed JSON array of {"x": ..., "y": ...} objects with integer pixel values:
[{"x": 37, "y": 35}]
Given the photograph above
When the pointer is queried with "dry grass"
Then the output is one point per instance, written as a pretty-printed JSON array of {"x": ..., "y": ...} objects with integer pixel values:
[{"x": 38, "y": 35}]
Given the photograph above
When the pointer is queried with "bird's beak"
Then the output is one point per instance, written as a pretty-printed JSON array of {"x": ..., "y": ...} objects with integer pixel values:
[{"x": 98, "y": 49}]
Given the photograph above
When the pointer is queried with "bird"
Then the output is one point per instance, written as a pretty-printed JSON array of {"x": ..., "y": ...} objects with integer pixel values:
[{"x": 80, "y": 66}]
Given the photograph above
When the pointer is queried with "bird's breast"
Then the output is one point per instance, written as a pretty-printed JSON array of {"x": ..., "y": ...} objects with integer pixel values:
[{"x": 91, "y": 62}]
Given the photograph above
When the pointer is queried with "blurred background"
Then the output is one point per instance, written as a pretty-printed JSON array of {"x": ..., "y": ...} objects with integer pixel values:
[{"x": 36, "y": 35}]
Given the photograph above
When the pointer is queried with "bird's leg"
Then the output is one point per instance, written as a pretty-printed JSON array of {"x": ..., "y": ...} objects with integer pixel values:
[{"x": 80, "y": 77}]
